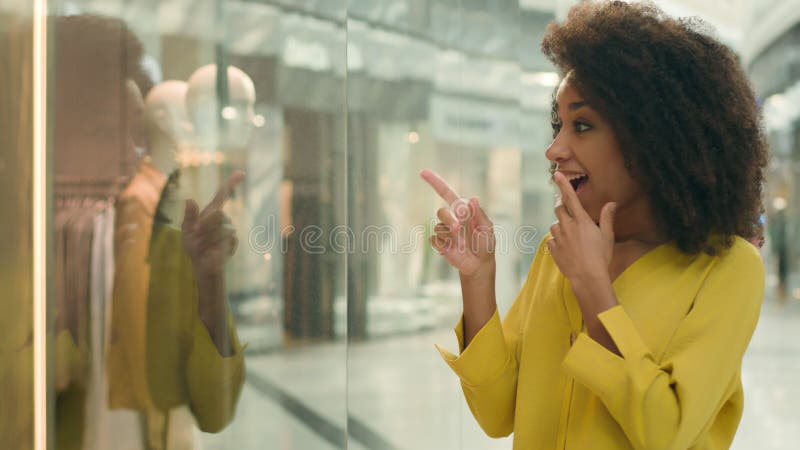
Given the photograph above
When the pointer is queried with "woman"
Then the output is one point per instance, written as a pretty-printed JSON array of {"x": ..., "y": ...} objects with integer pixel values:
[{"x": 630, "y": 329}]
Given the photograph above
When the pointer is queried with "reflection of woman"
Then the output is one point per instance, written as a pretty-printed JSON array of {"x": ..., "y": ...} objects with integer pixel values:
[
  {"x": 194, "y": 357},
  {"x": 171, "y": 342},
  {"x": 630, "y": 329}
]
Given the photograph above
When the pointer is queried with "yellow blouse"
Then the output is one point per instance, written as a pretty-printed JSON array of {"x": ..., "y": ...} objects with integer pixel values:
[{"x": 682, "y": 326}]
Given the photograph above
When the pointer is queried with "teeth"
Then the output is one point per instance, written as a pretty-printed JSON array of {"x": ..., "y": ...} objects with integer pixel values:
[{"x": 573, "y": 177}]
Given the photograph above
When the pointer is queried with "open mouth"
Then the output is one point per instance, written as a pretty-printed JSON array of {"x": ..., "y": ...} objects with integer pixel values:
[{"x": 577, "y": 180}]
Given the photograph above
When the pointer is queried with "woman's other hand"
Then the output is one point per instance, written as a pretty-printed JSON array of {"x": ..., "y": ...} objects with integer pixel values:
[{"x": 581, "y": 249}]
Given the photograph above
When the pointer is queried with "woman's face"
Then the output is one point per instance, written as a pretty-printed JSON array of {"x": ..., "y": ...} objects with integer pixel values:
[{"x": 585, "y": 144}]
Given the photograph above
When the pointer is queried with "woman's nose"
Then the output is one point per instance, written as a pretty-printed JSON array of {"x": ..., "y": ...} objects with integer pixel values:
[{"x": 558, "y": 151}]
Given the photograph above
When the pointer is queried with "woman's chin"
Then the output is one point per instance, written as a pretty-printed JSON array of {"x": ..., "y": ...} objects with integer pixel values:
[{"x": 593, "y": 211}]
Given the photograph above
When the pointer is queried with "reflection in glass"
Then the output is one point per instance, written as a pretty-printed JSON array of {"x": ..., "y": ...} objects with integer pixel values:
[
  {"x": 175, "y": 150},
  {"x": 146, "y": 347}
]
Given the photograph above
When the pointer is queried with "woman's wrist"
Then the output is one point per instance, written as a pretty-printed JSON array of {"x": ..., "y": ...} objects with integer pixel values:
[
  {"x": 484, "y": 272},
  {"x": 591, "y": 282},
  {"x": 212, "y": 310},
  {"x": 594, "y": 294}
]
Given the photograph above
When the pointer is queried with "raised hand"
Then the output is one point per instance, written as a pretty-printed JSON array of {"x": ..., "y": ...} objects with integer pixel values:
[
  {"x": 464, "y": 235},
  {"x": 581, "y": 249},
  {"x": 208, "y": 235}
]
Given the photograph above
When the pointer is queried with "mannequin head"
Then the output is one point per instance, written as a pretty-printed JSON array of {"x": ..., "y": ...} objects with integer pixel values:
[
  {"x": 166, "y": 123},
  {"x": 233, "y": 132}
]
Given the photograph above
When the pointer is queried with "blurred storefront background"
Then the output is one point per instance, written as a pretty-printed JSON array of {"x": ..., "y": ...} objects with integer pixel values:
[{"x": 331, "y": 108}]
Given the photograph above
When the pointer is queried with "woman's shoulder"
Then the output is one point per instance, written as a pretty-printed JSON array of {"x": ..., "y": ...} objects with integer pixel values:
[
  {"x": 739, "y": 252},
  {"x": 740, "y": 262},
  {"x": 745, "y": 247},
  {"x": 742, "y": 256}
]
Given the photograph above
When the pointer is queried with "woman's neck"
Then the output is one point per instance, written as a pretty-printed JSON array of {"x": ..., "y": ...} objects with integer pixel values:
[{"x": 637, "y": 225}]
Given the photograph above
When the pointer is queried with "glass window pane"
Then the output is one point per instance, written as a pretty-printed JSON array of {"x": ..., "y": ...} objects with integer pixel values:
[{"x": 198, "y": 172}]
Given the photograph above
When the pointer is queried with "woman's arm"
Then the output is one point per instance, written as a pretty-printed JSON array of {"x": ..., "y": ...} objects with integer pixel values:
[
  {"x": 480, "y": 303},
  {"x": 488, "y": 367},
  {"x": 185, "y": 365},
  {"x": 215, "y": 366},
  {"x": 212, "y": 309},
  {"x": 667, "y": 403},
  {"x": 488, "y": 350},
  {"x": 594, "y": 298}
]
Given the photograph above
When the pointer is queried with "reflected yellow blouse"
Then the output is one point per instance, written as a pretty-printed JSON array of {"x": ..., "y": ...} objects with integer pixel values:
[
  {"x": 184, "y": 366},
  {"x": 161, "y": 355},
  {"x": 682, "y": 326}
]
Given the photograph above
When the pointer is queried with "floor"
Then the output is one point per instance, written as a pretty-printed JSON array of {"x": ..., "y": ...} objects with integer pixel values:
[{"x": 399, "y": 394}]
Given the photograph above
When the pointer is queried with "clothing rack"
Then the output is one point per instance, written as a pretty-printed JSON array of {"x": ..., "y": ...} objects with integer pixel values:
[{"x": 72, "y": 186}]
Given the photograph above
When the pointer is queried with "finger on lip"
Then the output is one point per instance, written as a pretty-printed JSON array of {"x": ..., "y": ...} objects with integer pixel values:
[
  {"x": 561, "y": 180},
  {"x": 569, "y": 196},
  {"x": 564, "y": 186}
]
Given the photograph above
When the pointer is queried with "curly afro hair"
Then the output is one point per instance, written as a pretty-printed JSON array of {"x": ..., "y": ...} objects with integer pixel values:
[
  {"x": 682, "y": 110},
  {"x": 92, "y": 49}
]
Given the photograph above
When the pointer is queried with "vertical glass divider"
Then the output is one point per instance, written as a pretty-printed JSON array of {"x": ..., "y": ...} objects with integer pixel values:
[
  {"x": 40, "y": 223},
  {"x": 346, "y": 216}
]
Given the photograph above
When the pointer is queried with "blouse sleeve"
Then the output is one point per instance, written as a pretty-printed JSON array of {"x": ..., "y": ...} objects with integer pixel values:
[
  {"x": 214, "y": 381},
  {"x": 488, "y": 367},
  {"x": 184, "y": 366},
  {"x": 667, "y": 403}
]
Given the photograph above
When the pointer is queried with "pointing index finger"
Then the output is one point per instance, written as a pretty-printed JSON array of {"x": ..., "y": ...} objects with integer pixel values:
[
  {"x": 224, "y": 193},
  {"x": 440, "y": 186}
]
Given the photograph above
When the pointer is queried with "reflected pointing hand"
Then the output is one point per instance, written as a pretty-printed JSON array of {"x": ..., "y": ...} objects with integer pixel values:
[
  {"x": 208, "y": 235},
  {"x": 464, "y": 235}
]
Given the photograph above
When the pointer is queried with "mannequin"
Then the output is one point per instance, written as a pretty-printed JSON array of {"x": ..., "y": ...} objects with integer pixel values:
[
  {"x": 202, "y": 103},
  {"x": 167, "y": 125},
  {"x": 220, "y": 130},
  {"x": 170, "y": 136}
]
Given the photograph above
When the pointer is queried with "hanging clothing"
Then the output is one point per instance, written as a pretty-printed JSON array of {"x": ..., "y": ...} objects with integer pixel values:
[
  {"x": 77, "y": 281},
  {"x": 95, "y": 433}
]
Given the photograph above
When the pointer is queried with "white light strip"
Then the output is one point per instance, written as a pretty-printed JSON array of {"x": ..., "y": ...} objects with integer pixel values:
[{"x": 40, "y": 224}]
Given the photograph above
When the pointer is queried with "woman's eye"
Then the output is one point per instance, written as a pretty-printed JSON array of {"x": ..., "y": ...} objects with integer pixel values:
[
  {"x": 580, "y": 127},
  {"x": 556, "y": 127}
]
